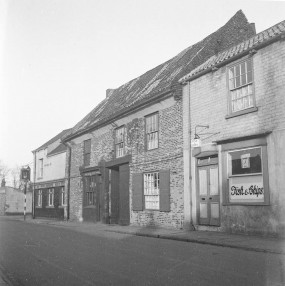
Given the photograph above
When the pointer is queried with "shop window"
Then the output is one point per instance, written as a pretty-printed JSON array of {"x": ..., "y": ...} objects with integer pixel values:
[
  {"x": 241, "y": 93},
  {"x": 62, "y": 196},
  {"x": 87, "y": 152},
  {"x": 246, "y": 175},
  {"x": 119, "y": 141},
  {"x": 152, "y": 131},
  {"x": 50, "y": 197},
  {"x": 39, "y": 198}
]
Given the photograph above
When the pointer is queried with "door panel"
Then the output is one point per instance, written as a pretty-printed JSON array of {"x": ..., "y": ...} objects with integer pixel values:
[{"x": 208, "y": 195}]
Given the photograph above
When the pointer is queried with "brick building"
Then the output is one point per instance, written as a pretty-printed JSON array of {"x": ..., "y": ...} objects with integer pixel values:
[
  {"x": 234, "y": 138},
  {"x": 125, "y": 158},
  {"x": 49, "y": 178}
]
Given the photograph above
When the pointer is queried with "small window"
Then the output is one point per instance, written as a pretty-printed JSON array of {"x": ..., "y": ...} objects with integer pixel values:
[
  {"x": 50, "y": 197},
  {"x": 89, "y": 189},
  {"x": 152, "y": 131},
  {"x": 87, "y": 152},
  {"x": 62, "y": 196},
  {"x": 151, "y": 191},
  {"x": 41, "y": 168},
  {"x": 119, "y": 141},
  {"x": 241, "y": 95},
  {"x": 40, "y": 198}
]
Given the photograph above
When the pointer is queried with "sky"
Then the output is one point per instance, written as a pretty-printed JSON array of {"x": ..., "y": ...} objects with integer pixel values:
[{"x": 58, "y": 57}]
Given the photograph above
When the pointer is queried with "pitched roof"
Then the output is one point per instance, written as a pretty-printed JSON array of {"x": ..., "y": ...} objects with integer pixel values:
[
  {"x": 259, "y": 40},
  {"x": 59, "y": 149},
  {"x": 164, "y": 78},
  {"x": 55, "y": 138}
]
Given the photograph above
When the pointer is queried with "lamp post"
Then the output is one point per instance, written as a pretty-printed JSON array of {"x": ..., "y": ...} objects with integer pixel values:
[{"x": 25, "y": 176}]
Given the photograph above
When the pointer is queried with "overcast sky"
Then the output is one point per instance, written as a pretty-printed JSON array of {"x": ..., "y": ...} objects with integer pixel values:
[{"x": 58, "y": 57}]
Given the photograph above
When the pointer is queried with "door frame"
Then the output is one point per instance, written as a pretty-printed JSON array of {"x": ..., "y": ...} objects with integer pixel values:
[{"x": 206, "y": 163}]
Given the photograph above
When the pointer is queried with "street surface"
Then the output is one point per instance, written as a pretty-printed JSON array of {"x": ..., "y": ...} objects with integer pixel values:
[{"x": 42, "y": 254}]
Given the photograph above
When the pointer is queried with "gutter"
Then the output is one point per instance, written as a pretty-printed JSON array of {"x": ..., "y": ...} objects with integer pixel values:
[{"x": 231, "y": 59}]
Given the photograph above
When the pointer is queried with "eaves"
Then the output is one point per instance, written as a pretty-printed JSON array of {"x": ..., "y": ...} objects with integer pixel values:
[{"x": 124, "y": 112}]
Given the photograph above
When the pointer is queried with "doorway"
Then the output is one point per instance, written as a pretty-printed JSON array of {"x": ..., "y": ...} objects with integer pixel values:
[{"x": 208, "y": 194}]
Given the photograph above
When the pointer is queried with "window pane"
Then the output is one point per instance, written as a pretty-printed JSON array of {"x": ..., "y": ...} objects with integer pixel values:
[
  {"x": 243, "y": 79},
  {"x": 238, "y": 81},
  {"x": 249, "y": 65},
  {"x": 246, "y": 161},
  {"x": 243, "y": 68},
  {"x": 231, "y": 73},
  {"x": 237, "y": 70},
  {"x": 249, "y": 77}
]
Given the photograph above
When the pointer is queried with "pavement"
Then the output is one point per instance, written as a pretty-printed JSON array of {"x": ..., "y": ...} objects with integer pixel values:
[{"x": 239, "y": 241}]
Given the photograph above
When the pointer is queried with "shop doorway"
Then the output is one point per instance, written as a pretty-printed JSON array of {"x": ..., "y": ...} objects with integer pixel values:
[{"x": 208, "y": 194}]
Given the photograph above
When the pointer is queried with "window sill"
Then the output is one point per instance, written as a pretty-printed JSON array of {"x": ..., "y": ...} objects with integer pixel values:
[
  {"x": 242, "y": 112},
  {"x": 38, "y": 207},
  {"x": 61, "y": 207},
  {"x": 49, "y": 207}
]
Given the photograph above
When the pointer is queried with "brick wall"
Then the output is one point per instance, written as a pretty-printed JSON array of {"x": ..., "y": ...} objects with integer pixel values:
[
  {"x": 167, "y": 156},
  {"x": 209, "y": 107}
]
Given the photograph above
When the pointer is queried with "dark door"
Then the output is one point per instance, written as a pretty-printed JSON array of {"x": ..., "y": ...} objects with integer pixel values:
[
  {"x": 115, "y": 196},
  {"x": 124, "y": 201},
  {"x": 208, "y": 199}
]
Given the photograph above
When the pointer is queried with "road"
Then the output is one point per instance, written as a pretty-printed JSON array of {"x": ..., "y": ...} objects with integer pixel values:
[{"x": 42, "y": 254}]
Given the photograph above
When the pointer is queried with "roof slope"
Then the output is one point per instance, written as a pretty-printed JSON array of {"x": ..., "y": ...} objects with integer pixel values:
[
  {"x": 165, "y": 76},
  {"x": 55, "y": 138},
  {"x": 261, "y": 38}
]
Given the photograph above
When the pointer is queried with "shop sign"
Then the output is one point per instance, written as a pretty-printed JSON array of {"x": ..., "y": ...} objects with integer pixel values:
[
  {"x": 246, "y": 189},
  {"x": 196, "y": 143}
]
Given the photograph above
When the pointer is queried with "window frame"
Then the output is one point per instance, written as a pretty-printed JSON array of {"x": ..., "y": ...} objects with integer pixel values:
[
  {"x": 51, "y": 197},
  {"x": 156, "y": 114},
  {"x": 39, "y": 198},
  {"x": 247, "y": 110},
  {"x": 41, "y": 168},
  {"x": 86, "y": 153},
  {"x": 89, "y": 190},
  {"x": 122, "y": 149},
  {"x": 145, "y": 189},
  {"x": 226, "y": 176},
  {"x": 62, "y": 196}
]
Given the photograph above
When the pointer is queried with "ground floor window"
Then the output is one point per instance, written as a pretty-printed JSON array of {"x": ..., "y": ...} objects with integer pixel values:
[
  {"x": 151, "y": 190},
  {"x": 89, "y": 190},
  {"x": 246, "y": 172},
  {"x": 39, "y": 198},
  {"x": 50, "y": 197},
  {"x": 62, "y": 192}
]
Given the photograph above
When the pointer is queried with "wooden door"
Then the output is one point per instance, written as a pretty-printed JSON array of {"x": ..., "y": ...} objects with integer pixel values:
[
  {"x": 208, "y": 199},
  {"x": 124, "y": 204}
]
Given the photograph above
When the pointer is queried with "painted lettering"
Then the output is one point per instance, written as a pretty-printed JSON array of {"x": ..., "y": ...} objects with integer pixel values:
[{"x": 252, "y": 190}]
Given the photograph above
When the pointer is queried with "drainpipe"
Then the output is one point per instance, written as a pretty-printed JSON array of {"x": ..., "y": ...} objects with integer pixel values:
[
  {"x": 68, "y": 179},
  {"x": 190, "y": 161}
]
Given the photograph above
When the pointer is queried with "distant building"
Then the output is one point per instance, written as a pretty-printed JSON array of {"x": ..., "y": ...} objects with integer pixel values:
[
  {"x": 50, "y": 198},
  {"x": 126, "y": 156},
  {"x": 234, "y": 138}
]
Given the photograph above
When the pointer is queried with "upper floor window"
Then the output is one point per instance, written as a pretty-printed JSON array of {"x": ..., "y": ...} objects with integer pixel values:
[
  {"x": 87, "y": 152},
  {"x": 119, "y": 141},
  {"x": 152, "y": 131},
  {"x": 41, "y": 168},
  {"x": 151, "y": 190},
  {"x": 240, "y": 78},
  {"x": 50, "y": 197}
]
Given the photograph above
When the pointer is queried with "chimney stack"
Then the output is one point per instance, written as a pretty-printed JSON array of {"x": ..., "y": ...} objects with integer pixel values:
[{"x": 109, "y": 91}]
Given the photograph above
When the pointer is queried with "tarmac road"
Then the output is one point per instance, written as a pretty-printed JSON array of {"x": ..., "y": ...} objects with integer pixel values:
[{"x": 42, "y": 254}]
